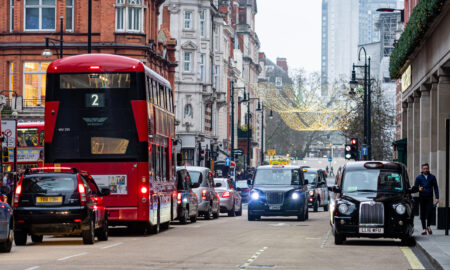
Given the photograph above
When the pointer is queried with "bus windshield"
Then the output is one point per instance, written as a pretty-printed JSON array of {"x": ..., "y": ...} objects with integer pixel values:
[{"x": 95, "y": 119}]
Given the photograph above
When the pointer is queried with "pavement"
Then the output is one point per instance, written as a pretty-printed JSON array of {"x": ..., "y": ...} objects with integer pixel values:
[{"x": 436, "y": 246}]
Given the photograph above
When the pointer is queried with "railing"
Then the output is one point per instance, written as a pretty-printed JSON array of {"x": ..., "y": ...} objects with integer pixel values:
[{"x": 33, "y": 103}]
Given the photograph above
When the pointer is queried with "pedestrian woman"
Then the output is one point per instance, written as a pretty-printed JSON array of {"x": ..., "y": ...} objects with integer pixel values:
[{"x": 426, "y": 182}]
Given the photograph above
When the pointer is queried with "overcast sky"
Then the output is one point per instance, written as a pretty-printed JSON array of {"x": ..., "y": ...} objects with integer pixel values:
[{"x": 291, "y": 29}]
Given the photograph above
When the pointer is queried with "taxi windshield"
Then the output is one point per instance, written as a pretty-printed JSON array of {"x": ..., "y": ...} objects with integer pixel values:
[
  {"x": 372, "y": 181},
  {"x": 311, "y": 177},
  {"x": 277, "y": 177}
]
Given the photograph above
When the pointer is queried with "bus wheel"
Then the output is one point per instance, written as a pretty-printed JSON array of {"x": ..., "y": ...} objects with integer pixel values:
[{"x": 156, "y": 228}]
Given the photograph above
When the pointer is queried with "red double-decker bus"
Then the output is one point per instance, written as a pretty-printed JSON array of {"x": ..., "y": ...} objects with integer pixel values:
[{"x": 114, "y": 117}]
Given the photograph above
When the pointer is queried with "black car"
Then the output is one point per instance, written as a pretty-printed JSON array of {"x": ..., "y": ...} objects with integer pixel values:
[
  {"x": 373, "y": 199},
  {"x": 187, "y": 201},
  {"x": 317, "y": 189},
  {"x": 59, "y": 201},
  {"x": 278, "y": 190}
]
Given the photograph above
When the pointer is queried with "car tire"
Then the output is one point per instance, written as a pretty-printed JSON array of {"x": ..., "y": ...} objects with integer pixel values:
[
  {"x": 339, "y": 239},
  {"x": 216, "y": 214},
  {"x": 302, "y": 216},
  {"x": 20, "y": 238},
  {"x": 6, "y": 246},
  {"x": 251, "y": 217},
  {"x": 232, "y": 212},
  {"x": 207, "y": 215},
  {"x": 89, "y": 235},
  {"x": 103, "y": 232},
  {"x": 307, "y": 214},
  {"x": 316, "y": 205},
  {"x": 193, "y": 218},
  {"x": 325, "y": 208},
  {"x": 239, "y": 213},
  {"x": 37, "y": 238},
  {"x": 184, "y": 218}
]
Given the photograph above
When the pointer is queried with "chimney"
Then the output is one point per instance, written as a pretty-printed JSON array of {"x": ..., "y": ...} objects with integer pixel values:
[
  {"x": 166, "y": 18},
  {"x": 282, "y": 63}
]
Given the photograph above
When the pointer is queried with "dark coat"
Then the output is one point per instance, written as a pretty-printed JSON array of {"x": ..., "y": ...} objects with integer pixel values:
[{"x": 428, "y": 185}]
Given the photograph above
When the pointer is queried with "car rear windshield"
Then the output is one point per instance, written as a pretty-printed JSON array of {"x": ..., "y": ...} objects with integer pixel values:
[
  {"x": 222, "y": 181},
  {"x": 241, "y": 184},
  {"x": 372, "y": 180},
  {"x": 311, "y": 177},
  {"x": 49, "y": 183},
  {"x": 196, "y": 177},
  {"x": 277, "y": 177}
]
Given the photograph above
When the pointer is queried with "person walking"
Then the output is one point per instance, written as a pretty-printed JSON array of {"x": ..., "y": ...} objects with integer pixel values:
[{"x": 426, "y": 182}]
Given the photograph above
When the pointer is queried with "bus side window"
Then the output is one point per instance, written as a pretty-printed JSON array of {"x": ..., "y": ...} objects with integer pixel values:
[
  {"x": 164, "y": 164},
  {"x": 147, "y": 88},
  {"x": 171, "y": 100},
  {"x": 157, "y": 164},
  {"x": 153, "y": 163},
  {"x": 41, "y": 138}
]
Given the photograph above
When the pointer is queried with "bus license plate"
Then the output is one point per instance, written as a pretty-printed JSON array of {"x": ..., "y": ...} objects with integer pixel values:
[
  {"x": 49, "y": 199},
  {"x": 371, "y": 230}
]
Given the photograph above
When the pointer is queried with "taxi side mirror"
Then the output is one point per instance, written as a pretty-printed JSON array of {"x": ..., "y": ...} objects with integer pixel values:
[{"x": 335, "y": 189}]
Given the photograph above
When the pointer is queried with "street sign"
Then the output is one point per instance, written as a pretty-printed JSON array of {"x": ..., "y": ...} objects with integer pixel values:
[
  {"x": 238, "y": 152},
  {"x": 227, "y": 161},
  {"x": 364, "y": 150},
  {"x": 9, "y": 131},
  {"x": 271, "y": 152},
  {"x": 330, "y": 159}
]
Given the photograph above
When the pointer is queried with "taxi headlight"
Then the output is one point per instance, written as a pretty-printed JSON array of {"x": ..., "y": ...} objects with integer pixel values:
[
  {"x": 343, "y": 208},
  {"x": 295, "y": 196},
  {"x": 400, "y": 209},
  {"x": 311, "y": 192},
  {"x": 255, "y": 195}
]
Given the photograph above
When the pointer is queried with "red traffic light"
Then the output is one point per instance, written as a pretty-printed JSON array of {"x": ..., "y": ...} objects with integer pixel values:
[{"x": 354, "y": 141}]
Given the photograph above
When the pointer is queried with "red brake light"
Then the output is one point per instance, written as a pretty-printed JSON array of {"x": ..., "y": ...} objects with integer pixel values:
[
  {"x": 226, "y": 194},
  {"x": 179, "y": 198},
  {"x": 17, "y": 193},
  {"x": 81, "y": 190},
  {"x": 204, "y": 194}
]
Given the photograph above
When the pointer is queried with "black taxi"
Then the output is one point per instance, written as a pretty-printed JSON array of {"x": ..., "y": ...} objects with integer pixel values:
[
  {"x": 59, "y": 201},
  {"x": 373, "y": 199}
]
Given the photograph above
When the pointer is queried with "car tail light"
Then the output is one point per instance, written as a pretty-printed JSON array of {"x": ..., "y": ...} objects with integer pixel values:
[
  {"x": 77, "y": 220},
  {"x": 179, "y": 198},
  {"x": 17, "y": 193},
  {"x": 204, "y": 194},
  {"x": 144, "y": 190},
  {"x": 226, "y": 194},
  {"x": 82, "y": 191}
]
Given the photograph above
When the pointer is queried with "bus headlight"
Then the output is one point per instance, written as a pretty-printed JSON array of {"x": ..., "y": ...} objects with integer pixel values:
[
  {"x": 400, "y": 209},
  {"x": 295, "y": 196},
  {"x": 343, "y": 208},
  {"x": 255, "y": 195}
]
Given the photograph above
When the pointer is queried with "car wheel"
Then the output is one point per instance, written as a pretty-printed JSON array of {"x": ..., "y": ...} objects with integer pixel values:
[
  {"x": 232, "y": 212},
  {"x": 37, "y": 238},
  {"x": 307, "y": 214},
  {"x": 103, "y": 232},
  {"x": 193, "y": 218},
  {"x": 239, "y": 213},
  {"x": 20, "y": 238},
  {"x": 89, "y": 235},
  {"x": 251, "y": 217},
  {"x": 208, "y": 213},
  {"x": 216, "y": 214},
  {"x": 325, "y": 208},
  {"x": 339, "y": 239},
  {"x": 6, "y": 246},
  {"x": 316, "y": 206},
  {"x": 184, "y": 218}
]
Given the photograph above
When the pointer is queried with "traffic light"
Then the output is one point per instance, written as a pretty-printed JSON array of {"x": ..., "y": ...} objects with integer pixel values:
[
  {"x": 348, "y": 151},
  {"x": 5, "y": 154},
  {"x": 351, "y": 150},
  {"x": 202, "y": 154}
]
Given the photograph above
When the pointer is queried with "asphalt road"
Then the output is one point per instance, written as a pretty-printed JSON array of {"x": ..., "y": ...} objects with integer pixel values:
[{"x": 225, "y": 243}]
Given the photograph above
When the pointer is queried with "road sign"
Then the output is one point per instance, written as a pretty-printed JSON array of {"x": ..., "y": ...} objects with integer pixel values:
[
  {"x": 364, "y": 150},
  {"x": 238, "y": 152},
  {"x": 271, "y": 152},
  {"x": 330, "y": 159},
  {"x": 227, "y": 161},
  {"x": 9, "y": 131}
]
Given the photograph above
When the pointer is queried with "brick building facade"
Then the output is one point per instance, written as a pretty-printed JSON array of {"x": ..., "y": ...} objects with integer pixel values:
[{"x": 125, "y": 27}]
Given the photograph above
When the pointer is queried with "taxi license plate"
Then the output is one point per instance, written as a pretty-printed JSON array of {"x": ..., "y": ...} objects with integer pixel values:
[
  {"x": 274, "y": 207},
  {"x": 371, "y": 230},
  {"x": 49, "y": 199}
]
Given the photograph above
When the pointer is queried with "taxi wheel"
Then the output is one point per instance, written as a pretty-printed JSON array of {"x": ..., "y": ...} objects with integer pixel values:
[
  {"x": 316, "y": 206},
  {"x": 339, "y": 239},
  {"x": 185, "y": 216},
  {"x": 232, "y": 212},
  {"x": 20, "y": 238},
  {"x": 103, "y": 232},
  {"x": 408, "y": 241},
  {"x": 325, "y": 208},
  {"x": 6, "y": 246},
  {"x": 89, "y": 235},
  {"x": 239, "y": 213},
  {"x": 251, "y": 217},
  {"x": 37, "y": 238},
  {"x": 307, "y": 214},
  {"x": 208, "y": 213},
  {"x": 193, "y": 218},
  {"x": 216, "y": 214}
]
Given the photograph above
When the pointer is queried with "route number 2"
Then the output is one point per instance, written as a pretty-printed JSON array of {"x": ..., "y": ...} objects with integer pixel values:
[{"x": 95, "y": 100}]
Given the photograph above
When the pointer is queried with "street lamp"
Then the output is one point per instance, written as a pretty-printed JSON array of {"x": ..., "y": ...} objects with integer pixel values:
[
  {"x": 367, "y": 99},
  {"x": 248, "y": 99},
  {"x": 261, "y": 109},
  {"x": 48, "y": 40},
  {"x": 232, "y": 117}
]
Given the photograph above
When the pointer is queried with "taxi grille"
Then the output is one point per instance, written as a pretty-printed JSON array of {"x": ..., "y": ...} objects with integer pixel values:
[
  {"x": 274, "y": 197},
  {"x": 371, "y": 213}
]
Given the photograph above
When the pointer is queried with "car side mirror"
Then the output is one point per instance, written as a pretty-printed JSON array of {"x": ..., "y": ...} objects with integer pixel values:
[
  {"x": 105, "y": 191},
  {"x": 413, "y": 189},
  {"x": 195, "y": 185},
  {"x": 335, "y": 189},
  {"x": 305, "y": 182},
  {"x": 5, "y": 190},
  {"x": 218, "y": 185}
]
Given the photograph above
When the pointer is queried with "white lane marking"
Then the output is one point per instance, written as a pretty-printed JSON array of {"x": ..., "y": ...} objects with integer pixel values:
[
  {"x": 68, "y": 257},
  {"x": 278, "y": 224},
  {"x": 252, "y": 259},
  {"x": 324, "y": 243},
  {"x": 33, "y": 267},
  {"x": 312, "y": 238},
  {"x": 113, "y": 245}
]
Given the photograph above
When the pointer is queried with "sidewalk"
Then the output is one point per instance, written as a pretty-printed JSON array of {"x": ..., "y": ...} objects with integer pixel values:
[{"x": 435, "y": 246}]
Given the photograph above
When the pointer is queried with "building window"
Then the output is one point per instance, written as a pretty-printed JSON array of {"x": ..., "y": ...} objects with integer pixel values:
[
  {"x": 188, "y": 20},
  {"x": 129, "y": 15},
  {"x": 278, "y": 82},
  {"x": 35, "y": 78},
  {"x": 11, "y": 15},
  {"x": 187, "y": 61},
  {"x": 203, "y": 23},
  {"x": 216, "y": 76},
  {"x": 69, "y": 15},
  {"x": 40, "y": 14},
  {"x": 11, "y": 78},
  {"x": 202, "y": 67}
]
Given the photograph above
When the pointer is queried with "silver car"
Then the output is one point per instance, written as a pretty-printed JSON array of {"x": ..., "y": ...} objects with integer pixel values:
[
  {"x": 203, "y": 185},
  {"x": 230, "y": 200}
]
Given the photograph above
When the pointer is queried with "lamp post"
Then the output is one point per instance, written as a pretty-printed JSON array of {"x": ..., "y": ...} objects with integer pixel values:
[
  {"x": 47, "y": 52},
  {"x": 261, "y": 109},
  {"x": 232, "y": 117},
  {"x": 366, "y": 100}
]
